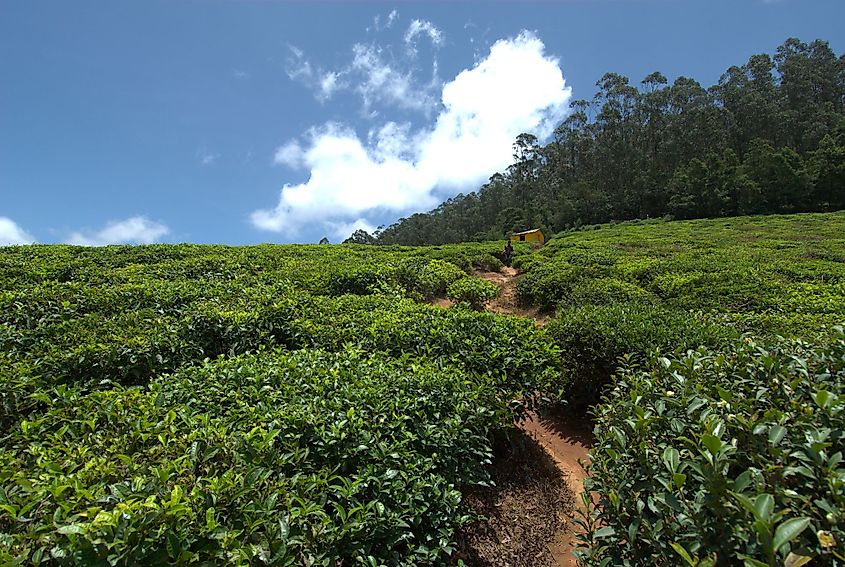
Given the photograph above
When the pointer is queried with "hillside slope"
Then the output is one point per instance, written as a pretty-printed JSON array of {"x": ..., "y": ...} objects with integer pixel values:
[{"x": 304, "y": 404}]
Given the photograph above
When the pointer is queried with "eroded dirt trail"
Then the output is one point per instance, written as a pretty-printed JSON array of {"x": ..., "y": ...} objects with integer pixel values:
[
  {"x": 508, "y": 301},
  {"x": 566, "y": 441}
]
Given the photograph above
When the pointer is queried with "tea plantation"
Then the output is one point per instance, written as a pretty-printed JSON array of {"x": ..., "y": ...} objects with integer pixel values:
[
  {"x": 305, "y": 405},
  {"x": 720, "y": 440}
]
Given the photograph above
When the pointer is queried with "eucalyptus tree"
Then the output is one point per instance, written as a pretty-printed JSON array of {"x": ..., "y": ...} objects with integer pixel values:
[{"x": 768, "y": 137}]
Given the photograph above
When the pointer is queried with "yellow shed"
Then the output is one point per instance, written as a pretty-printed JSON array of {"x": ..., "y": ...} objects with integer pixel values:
[{"x": 535, "y": 235}]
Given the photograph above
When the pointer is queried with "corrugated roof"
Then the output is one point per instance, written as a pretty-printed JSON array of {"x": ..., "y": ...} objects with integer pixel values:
[{"x": 527, "y": 231}]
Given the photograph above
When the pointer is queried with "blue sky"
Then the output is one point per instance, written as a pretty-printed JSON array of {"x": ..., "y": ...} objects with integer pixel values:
[{"x": 247, "y": 121}]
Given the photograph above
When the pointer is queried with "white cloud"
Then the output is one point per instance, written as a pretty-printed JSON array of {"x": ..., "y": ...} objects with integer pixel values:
[
  {"x": 391, "y": 18},
  {"x": 418, "y": 27},
  {"x": 329, "y": 83},
  {"x": 516, "y": 88},
  {"x": 290, "y": 154},
  {"x": 374, "y": 74},
  {"x": 134, "y": 230},
  {"x": 206, "y": 157},
  {"x": 11, "y": 233},
  {"x": 379, "y": 81},
  {"x": 324, "y": 83},
  {"x": 343, "y": 230},
  {"x": 347, "y": 178},
  {"x": 298, "y": 67}
]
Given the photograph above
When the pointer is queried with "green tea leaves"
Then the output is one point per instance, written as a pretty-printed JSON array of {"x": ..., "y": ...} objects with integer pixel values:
[{"x": 789, "y": 530}]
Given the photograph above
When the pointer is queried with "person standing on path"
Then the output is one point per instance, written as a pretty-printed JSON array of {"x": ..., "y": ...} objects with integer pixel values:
[{"x": 508, "y": 254}]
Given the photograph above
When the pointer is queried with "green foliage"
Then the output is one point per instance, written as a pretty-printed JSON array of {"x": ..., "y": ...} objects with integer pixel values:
[
  {"x": 337, "y": 420},
  {"x": 303, "y": 405},
  {"x": 593, "y": 340},
  {"x": 565, "y": 285},
  {"x": 474, "y": 292},
  {"x": 716, "y": 458},
  {"x": 272, "y": 458},
  {"x": 547, "y": 283},
  {"x": 606, "y": 291},
  {"x": 528, "y": 261},
  {"x": 509, "y": 351},
  {"x": 632, "y": 287},
  {"x": 437, "y": 276},
  {"x": 485, "y": 262},
  {"x": 361, "y": 280}
]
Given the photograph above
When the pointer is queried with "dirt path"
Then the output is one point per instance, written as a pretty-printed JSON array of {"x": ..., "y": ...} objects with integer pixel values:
[
  {"x": 508, "y": 301},
  {"x": 565, "y": 441}
]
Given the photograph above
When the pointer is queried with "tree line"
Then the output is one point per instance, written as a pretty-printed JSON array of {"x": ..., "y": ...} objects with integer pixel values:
[{"x": 769, "y": 137}]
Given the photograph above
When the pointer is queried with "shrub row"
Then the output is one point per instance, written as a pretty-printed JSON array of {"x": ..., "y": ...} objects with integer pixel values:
[
  {"x": 92, "y": 353},
  {"x": 717, "y": 458},
  {"x": 304, "y": 457},
  {"x": 629, "y": 288},
  {"x": 595, "y": 340}
]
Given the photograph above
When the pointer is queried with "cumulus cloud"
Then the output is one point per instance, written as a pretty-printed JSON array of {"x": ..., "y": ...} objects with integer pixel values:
[
  {"x": 134, "y": 230},
  {"x": 290, "y": 154},
  {"x": 342, "y": 230},
  {"x": 11, "y": 233},
  {"x": 516, "y": 88}
]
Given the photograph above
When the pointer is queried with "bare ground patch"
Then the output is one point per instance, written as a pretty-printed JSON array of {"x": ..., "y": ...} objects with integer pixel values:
[
  {"x": 508, "y": 301},
  {"x": 567, "y": 439},
  {"x": 527, "y": 509}
]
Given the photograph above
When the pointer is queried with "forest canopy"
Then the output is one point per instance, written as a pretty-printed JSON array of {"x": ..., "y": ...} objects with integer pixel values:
[{"x": 769, "y": 137}]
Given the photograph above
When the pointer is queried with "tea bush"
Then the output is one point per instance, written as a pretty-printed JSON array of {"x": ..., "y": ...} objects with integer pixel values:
[
  {"x": 594, "y": 338},
  {"x": 606, "y": 291},
  {"x": 748, "y": 266},
  {"x": 276, "y": 458},
  {"x": 485, "y": 262},
  {"x": 474, "y": 292},
  {"x": 627, "y": 288},
  {"x": 121, "y": 443},
  {"x": 717, "y": 458},
  {"x": 361, "y": 280},
  {"x": 554, "y": 282},
  {"x": 510, "y": 351},
  {"x": 437, "y": 276},
  {"x": 214, "y": 404}
]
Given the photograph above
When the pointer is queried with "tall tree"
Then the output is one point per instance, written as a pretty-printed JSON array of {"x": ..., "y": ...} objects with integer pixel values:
[{"x": 769, "y": 137}]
